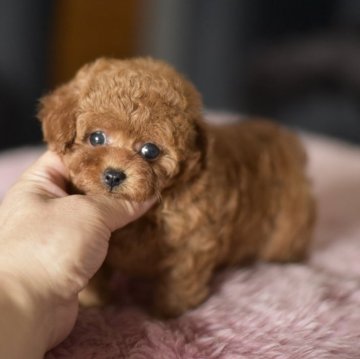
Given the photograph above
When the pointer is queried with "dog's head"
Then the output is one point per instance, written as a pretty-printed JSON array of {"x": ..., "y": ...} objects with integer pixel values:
[{"x": 129, "y": 128}]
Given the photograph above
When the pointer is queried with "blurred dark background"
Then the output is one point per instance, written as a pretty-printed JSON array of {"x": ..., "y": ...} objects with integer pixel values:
[{"x": 295, "y": 61}]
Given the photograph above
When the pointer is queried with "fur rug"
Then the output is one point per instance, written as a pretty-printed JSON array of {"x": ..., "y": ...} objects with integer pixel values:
[{"x": 297, "y": 311}]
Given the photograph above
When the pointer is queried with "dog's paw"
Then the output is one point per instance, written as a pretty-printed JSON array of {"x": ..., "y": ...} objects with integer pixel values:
[
  {"x": 90, "y": 298},
  {"x": 171, "y": 304}
]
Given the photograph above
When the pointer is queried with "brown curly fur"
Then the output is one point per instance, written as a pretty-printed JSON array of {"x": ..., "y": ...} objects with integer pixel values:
[{"x": 227, "y": 194}]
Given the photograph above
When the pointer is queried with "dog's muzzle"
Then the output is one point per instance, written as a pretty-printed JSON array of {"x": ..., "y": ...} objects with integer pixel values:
[{"x": 113, "y": 178}]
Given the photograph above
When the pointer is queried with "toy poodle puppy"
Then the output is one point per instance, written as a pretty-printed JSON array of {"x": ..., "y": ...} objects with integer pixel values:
[{"x": 134, "y": 129}]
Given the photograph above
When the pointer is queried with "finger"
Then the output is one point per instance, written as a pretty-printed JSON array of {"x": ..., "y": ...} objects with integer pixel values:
[
  {"x": 115, "y": 213},
  {"x": 46, "y": 177}
]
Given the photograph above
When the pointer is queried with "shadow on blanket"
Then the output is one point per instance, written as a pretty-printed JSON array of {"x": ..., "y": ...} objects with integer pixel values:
[{"x": 308, "y": 310}]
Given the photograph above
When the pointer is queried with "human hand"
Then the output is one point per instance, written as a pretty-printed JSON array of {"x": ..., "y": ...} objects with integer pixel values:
[{"x": 51, "y": 244}]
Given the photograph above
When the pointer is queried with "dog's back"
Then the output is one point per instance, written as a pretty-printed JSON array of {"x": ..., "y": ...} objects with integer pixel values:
[{"x": 266, "y": 208}]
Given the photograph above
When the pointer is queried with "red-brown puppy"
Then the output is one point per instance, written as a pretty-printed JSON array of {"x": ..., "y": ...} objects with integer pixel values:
[{"x": 133, "y": 129}]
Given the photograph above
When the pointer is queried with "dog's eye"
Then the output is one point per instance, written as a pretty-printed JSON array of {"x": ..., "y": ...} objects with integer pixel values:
[
  {"x": 97, "y": 138},
  {"x": 149, "y": 151}
]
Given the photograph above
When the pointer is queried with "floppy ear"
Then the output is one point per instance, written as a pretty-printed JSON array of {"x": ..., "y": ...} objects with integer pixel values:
[
  {"x": 202, "y": 143},
  {"x": 57, "y": 112},
  {"x": 196, "y": 162},
  {"x": 194, "y": 110}
]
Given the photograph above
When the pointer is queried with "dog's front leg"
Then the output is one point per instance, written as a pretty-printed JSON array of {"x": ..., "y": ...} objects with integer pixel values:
[{"x": 184, "y": 284}]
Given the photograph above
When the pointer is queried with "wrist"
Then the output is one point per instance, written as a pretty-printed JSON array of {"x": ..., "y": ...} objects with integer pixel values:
[{"x": 25, "y": 328}]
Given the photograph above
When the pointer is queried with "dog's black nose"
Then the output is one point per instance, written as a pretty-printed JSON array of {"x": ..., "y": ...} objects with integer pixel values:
[{"x": 113, "y": 178}]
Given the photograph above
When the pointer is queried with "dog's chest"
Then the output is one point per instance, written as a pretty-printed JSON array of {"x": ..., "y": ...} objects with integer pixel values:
[{"x": 136, "y": 248}]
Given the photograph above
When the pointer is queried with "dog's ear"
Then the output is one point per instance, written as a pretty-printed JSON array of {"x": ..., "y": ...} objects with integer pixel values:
[
  {"x": 194, "y": 109},
  {"x": 201, "y": 142},
  {"x": 196, "y": 162},
  {"x": 57, "y": 113}
]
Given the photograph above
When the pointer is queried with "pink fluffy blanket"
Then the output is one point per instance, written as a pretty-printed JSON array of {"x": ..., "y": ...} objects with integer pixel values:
[{"x": 309, "y": 310}]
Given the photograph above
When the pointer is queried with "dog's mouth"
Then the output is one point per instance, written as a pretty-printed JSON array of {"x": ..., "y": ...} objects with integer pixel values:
[
  {"x": 112, "y": 192},
  {"x": 115, "y": 183},
  {"x": 72, "y": 189}
]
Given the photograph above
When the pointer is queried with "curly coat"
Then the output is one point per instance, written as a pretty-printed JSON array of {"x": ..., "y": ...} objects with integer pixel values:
[{"x": 227, "y": 194}]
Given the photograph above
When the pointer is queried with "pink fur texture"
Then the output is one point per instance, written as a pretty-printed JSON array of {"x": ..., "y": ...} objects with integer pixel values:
[{"x": 296, "y": 311}]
